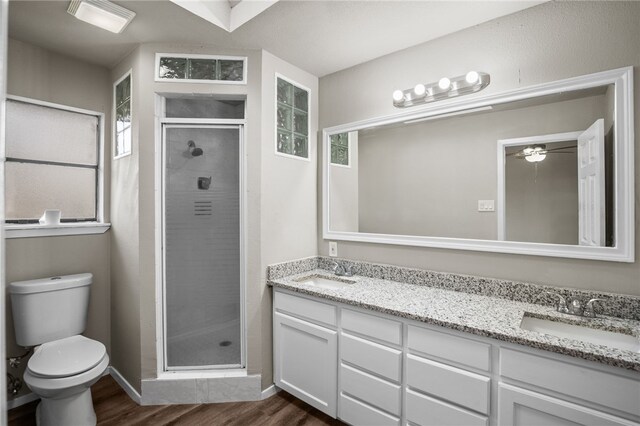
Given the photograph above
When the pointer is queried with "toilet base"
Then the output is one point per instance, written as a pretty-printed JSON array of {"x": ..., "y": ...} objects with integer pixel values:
[{"x": 74, "y": 410}]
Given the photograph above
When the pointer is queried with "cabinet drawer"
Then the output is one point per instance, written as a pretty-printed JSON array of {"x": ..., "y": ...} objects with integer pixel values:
[
  {"x": 370, "y": 389},
  {"x": 372, "y": 326},
  {"x": 425, "y": 411},
  {"x": 301, "y": 307},
  {"x": 521, "y": 407},
  {"x": 607, "y": 389},
  {"x": 461, "y": 387},
  {"x": 376, "y": 358},
  {"x": 457, "y": 349},
  {"x": 359, "y": 414}
]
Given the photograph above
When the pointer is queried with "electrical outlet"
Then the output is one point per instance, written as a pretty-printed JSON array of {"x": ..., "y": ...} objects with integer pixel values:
[
  {"x": 333, "y": 249},
  {"x": 486, "y": 206}
]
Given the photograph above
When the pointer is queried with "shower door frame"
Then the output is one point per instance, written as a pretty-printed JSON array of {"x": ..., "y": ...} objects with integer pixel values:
[{"x": 163, "y": 123}]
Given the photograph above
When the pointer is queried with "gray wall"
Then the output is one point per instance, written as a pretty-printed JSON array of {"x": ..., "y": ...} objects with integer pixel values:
[
  {"x": 125, "y": 267},
  {"x": 549, "y": 42},
  {"x": 281, "y": 212},
  {"x": 343, "y": 187},
  {"x": 426, "y": 178},
  {"x": 288, "y": 200},
  {"x": 39, "y": 74},
  {"x": 541, "y": 199}
]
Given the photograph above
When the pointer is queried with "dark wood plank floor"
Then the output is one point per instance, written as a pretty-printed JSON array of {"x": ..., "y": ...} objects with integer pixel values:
[{"x": 114, "y": 407}]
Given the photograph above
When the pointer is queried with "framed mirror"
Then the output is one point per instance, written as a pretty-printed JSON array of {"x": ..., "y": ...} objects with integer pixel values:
[{"x": 545, "y": 170}]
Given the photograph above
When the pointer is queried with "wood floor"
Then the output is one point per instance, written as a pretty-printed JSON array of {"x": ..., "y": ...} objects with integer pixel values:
[{"x": 114, "y": 407}]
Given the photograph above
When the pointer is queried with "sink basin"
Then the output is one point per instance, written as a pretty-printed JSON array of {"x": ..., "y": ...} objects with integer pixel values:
[
  {"x": 325, "y": 282},
  {"x": 571, "y": 331}
]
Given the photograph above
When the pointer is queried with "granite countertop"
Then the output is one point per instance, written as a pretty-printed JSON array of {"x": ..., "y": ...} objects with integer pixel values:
[{"x": 487, "y": 316}]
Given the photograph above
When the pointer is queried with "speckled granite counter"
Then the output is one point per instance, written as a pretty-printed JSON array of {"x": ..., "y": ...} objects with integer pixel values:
[{"x": 488, "y": 316}]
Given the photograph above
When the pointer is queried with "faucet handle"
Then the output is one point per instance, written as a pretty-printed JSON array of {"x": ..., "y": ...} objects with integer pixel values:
[
  {"x": 562, "y": 302},
  {"x": 338, "y": 268},
  {"x": 589, "y": 310},
  {"x": 348, "y": 270}
]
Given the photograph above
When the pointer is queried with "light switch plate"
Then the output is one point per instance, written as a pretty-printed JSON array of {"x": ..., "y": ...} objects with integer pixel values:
[
  {"x": 486, "y": 206},
  {"x": 333, "y": 249}
]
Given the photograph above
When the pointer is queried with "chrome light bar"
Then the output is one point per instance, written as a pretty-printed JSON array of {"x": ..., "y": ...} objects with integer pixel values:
[{"x": 445, "y": 88}]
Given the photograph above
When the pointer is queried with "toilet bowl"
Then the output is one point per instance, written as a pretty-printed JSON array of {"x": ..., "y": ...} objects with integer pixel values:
[
  {"x": 61, "y": 373},
  {"x": 50, "y": 314}
]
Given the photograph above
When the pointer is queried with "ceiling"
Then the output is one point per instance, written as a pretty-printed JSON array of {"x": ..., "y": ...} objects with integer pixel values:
[{"x": 321, "y": 37}]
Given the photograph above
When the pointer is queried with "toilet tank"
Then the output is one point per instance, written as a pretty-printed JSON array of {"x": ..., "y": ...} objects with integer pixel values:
[{"x": 49, "y": 309}]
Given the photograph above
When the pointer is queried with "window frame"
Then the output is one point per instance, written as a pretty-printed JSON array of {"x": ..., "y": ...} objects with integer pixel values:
[
  {"x": 351, "y": 136},
  {"x": 99, "y": 226},
  {"x": 275, "y": 118},
  {"x": 114, "y": 121},
  {"x": 156, "y": 72}
]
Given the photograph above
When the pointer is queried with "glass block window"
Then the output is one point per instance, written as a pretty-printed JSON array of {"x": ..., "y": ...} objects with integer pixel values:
[
  {"x": 292, "y": 119},
  {"x": 122, "y": 101},
  {"x": 340, "y": 149},
  {"x": 200, "y": 68},
  {"x": 52, "y": 157}
]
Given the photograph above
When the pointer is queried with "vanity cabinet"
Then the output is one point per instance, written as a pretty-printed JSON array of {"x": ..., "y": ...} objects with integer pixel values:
[
  {"x": 370, "y": 374},
  {"x": 373, "y": 369},
  {"x": 440, "y": 388},
  {"x": 306, "y": 350}
]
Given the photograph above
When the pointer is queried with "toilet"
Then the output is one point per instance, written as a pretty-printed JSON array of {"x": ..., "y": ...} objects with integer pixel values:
[{"x": 50, "y": 314}]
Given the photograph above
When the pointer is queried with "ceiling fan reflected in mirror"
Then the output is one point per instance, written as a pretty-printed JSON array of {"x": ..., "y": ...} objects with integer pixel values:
[{"x": 538, "y": 152}]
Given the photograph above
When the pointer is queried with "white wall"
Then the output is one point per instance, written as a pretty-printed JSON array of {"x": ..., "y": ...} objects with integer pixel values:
[{"x": 548, "y": 42}]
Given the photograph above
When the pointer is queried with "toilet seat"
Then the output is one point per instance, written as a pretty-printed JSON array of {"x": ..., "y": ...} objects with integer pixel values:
[{"x": 66, "y": 357}]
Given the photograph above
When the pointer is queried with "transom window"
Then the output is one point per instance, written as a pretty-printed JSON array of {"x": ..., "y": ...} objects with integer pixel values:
[
  {"x": 52, "y": 161},
  {"x": 340, "y": 149},
  {"x": 292, "y": 119},
  {"x": 201, "y": 68}
]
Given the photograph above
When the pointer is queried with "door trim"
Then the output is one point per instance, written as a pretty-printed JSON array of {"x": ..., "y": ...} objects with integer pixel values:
[{"x": 160, "y": 125}]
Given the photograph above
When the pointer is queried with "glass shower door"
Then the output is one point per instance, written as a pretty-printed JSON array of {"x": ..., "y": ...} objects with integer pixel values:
[{"x": 202, "y": 250}]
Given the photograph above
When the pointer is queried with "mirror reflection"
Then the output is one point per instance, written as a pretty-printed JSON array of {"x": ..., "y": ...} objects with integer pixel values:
[{"x": 537, "y": 170}]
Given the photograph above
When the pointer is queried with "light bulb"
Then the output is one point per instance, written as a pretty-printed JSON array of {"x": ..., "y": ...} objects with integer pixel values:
[
  {"x": 419, "y": 89},
  {"x": 472, "y": 77},
  {"x": 535, "y": 157},
  {"x": 398, "y": 95},
  {"x": 444, "y": 83}
]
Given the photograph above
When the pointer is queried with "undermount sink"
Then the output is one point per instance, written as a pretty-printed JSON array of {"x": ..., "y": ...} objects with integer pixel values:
[
  {"x": 577, "y": 332},
  {"x": 325, "y": 282}
]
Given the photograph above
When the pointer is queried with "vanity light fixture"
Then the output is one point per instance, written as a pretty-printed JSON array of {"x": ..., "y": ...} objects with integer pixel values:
[
  {"x": 101, "y": 13},
  {"x": 445, "y": 88}
]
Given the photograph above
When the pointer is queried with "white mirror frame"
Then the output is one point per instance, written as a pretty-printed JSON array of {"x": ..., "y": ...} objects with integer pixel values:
[{"x": 624, "y": 230}]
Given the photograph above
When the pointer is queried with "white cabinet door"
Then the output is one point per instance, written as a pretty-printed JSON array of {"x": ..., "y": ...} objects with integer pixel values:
[
  {"x": 305, "y": 361},
  {"x": 521, "y": 407}
]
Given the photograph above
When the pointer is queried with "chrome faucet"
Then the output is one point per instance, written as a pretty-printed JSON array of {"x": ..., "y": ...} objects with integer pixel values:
[
  {"x": 562, "y": 303},
  {"x": 342, "y": 270},
  {"x": 589, "y": 311},
  {"x": 575, "y": 306}
]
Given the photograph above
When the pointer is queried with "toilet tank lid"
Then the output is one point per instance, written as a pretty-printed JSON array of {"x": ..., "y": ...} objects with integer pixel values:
[{"x": 50, "y": 284}]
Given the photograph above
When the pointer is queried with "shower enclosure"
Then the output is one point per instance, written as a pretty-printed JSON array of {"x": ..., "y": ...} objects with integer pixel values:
[{"x": 202, "y": 245}]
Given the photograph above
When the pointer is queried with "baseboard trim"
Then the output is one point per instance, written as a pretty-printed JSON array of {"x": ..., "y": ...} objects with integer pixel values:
[
  {"x": 21, "y": 400},
  {"x": 125, "y": 385},
  {"x": 270, "y": 391}
]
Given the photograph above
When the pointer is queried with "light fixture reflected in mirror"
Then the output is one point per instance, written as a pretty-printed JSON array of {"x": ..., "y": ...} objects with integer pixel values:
[
  {"x": 535, "y": 153},
  {"x": 445, "y": 88}
]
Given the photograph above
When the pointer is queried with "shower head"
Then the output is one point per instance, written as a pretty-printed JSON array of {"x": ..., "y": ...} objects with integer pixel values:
[{"x": 193, "y": 150}]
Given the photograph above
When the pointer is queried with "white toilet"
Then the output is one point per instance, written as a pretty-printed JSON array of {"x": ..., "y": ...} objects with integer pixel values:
[{"x": 51, "y": 313}]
